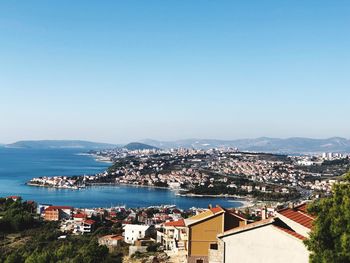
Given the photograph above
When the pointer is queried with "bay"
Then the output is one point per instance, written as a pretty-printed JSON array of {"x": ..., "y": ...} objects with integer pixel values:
[{"x": 18, "y": 165}]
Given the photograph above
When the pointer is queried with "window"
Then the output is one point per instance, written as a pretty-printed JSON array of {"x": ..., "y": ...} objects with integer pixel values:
[
  {"x": 214, "y": 246},
  {"x": 199, "y": 261}
]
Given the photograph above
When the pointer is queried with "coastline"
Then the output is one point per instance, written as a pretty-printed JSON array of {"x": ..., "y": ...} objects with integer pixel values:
[
  {"x": 134, "y": 185},
  {"x": 246, "y": 200},
  {"x": 96, "y": 157},
  {"x": 101, "y": 184},
  {"x": 87, "y": 197},
  {"x": 99, "y": 158},
  {"x": 52, "y": 187}
]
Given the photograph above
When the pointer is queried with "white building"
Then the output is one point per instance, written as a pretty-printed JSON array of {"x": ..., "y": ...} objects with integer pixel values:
[
  {"x": 78, "y": 227},
  {"x": 173, "y": 236},
  {"x": 272, "y": 240},
  {"x": 136, "y": 232}
]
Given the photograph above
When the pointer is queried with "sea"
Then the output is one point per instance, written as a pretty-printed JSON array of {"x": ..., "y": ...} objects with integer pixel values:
[{"x": 19, "y": 165}]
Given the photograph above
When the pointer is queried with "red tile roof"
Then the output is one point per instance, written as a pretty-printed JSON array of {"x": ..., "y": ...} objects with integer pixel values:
[
  {"x": 299, "y": 215},
  {"x": 179, "y": 223},
  {"x": 81, "y": 215},
  {"x": 114, "y": 237},
  {"x": 50, "y": 208},
  {"x": 302, "y": 207},
  {"x": 13, "y": 197},
  {"x": 290, "y": 232},
  {"x": 216, "y": 209},
  {"x": 89, "y": 222}
]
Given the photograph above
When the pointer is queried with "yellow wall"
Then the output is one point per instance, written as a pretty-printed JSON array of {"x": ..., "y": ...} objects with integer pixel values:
[{"x": 203, "y": 234}]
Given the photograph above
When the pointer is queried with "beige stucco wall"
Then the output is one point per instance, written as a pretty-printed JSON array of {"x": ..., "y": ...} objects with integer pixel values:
[
  {"x": 203, "y": 234},
  {"x": 265, "y": 244}
]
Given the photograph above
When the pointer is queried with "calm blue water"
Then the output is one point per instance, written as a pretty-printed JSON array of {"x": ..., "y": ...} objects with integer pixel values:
[{"x": 19, "y": 165}]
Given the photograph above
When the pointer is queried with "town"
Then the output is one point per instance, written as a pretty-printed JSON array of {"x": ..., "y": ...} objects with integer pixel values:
[
  {"x": 214, "y": 172},
  {"x": 279, "y": 188},
  {"x": 169, "y": 234}
]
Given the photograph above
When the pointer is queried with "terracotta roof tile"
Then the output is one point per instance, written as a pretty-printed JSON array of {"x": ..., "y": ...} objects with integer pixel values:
[
  {"x": 207, "y": 213},
  {"x": 216, "y": 209},
  {"x": 89, "y": 222},
  {"x": 302, "y": 207},
  {"x": 299, "y": 215},
  {"x": 179, "y": 223},
  {"x": 50, "y": 208},
  {"x": 80, "y": 215},
  {"x": 13, "y": 197},
  {"x": 114, "y": 237}
]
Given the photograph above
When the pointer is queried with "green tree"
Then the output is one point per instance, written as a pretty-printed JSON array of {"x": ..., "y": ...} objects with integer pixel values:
[
  {"x": 329, "y": 240},
  {"x": 14, "y": 258},
  {"x": 39, "y": 257},
  {"x": 91, "y": 253}
]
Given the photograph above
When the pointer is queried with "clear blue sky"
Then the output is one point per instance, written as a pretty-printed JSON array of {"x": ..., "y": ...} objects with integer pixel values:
[{"x": 119, "y": 71}]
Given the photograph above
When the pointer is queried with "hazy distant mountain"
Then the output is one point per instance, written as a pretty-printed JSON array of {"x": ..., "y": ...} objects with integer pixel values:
[
  {"x": 139, "y": 146},
  {"x": 263, "y": 144},
  {"x": 56, "y": 144}
]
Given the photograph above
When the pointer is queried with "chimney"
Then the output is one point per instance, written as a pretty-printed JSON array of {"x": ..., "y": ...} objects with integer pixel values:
[
  {"x": 291, "y": 205},
  {"x": 210, "y": 206},
  {"x": 264, "y": 213}
]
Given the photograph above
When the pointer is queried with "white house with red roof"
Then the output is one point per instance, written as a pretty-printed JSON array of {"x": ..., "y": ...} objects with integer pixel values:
[
  {"x": 272, "y": 240},
  {"x": 297, "y": 219},
  {"x": 79, "y": 217},
  {"x": 173, "y": 235},
  {"x": 79, "y": 225},
  {"x": 13, "y": 197},
  {"x": 88, "y": 225}
]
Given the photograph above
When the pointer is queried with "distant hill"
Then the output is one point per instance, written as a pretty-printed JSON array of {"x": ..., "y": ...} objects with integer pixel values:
[
  {"x": 263, "y": 144},
  {"x": 60, "y": 144},
  {"x": 133, "y": 146}
]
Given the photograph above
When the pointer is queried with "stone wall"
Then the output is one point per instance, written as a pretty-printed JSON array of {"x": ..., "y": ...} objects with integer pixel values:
[
  {"x": 133, "y": 249},
  {"x": 217, "y": 255},
  {"x": 193, "y": 259}
]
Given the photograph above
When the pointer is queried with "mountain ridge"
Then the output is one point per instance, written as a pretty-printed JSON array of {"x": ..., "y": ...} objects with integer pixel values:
[
  {"x": 59, "y": 144},
  {"x": 139, "y": 146},
  {"x": 262, "y": 144}
]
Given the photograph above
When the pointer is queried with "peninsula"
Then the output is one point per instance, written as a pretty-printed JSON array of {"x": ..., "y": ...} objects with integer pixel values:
[{"x": 215, "y": 172}]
